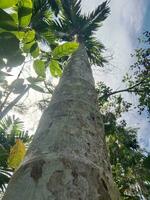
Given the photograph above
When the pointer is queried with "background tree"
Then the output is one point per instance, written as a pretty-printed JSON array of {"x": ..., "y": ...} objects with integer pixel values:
[{"x": 129, "y": 162}]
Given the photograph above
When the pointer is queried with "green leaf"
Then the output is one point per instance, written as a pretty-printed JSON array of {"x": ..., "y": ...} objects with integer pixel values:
[
  {"x": 7, "y": 22},
  {"x": 55, "y": 68},
  {"x": 65, "y": 49},
  {"x": 34, "y": 50},
  {"x": 29, "y": 36},
  {"x": 28, "y": 40},
  {"x": 25, "y": 12},
  {"x": 9, "y": 45},
  {"x": 27, "y": 47},
  {"x": 19, "y": 34},
  {"x": 39, "y": 67},
  {"x": 7, "y": 3}
]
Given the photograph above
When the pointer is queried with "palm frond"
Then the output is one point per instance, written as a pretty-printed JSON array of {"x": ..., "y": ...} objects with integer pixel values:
[
  {"x": 95, "y": 19},
  {"x": 55, "y": 6},
  {"x": 5, "y": 175},
  {"x": 12, "y": 128},
  {"x": 72, "y": 12},
  {"x": 42, "y": 13},
  {"x": 95, "y": 50}
]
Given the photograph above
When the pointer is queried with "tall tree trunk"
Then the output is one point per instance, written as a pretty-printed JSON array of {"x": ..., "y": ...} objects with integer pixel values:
[{"x": 67, "y": 159}]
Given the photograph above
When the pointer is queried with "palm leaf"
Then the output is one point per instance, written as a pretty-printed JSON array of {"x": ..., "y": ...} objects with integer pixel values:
[
  {"x": 95, "y": 18},
  {"x": 94, "y": 51},
  {"x": 5, "y": 175}
]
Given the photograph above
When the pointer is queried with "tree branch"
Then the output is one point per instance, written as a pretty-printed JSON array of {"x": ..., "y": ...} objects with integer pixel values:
[{"x": 124, "y": 90}]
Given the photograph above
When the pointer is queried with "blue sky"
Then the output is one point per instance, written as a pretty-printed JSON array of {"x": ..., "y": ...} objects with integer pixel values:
[{"x": 127, "y": 21}]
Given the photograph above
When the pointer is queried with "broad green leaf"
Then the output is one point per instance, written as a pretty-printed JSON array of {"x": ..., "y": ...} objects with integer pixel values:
[
  {"x": 25, "y": 12},
  {"x": 65, "y": 49},
  {"x": 28, "y": 40},
  {"x": 19, "y": 34},
  {"x": 7, "y": 22},
  {"x": 34, "y": 50},
  {"x": 27, "y": 47},
  {"x": 29, "y": 36},
  {"x": 16, "y": 155},
  {"x": 7, "y": 3},
  {"x": 39, "y": 67},
  {"x": 55, "y": 68},
  {"x": 9, "y": 45},
  {"x": 37, "y": 88}
]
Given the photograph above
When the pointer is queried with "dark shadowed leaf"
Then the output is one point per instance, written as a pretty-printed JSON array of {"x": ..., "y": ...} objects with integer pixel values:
[
  {"x": 9, "y": 45},
  {"x": 34, "y": 50},
  {"x": 7, "y": 22}
]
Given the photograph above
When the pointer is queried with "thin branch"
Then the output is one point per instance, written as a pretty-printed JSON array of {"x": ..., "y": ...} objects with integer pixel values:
[{"x": 124, "y": 90}]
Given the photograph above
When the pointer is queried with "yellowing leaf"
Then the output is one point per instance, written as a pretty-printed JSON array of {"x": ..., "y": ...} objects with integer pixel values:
[
  {"x": 16, "y": 155},
  {"x": 65, "y": 49}
]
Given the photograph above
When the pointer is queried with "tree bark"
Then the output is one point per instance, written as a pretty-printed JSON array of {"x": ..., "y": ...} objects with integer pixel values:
[{"x": 67, "y": 159}]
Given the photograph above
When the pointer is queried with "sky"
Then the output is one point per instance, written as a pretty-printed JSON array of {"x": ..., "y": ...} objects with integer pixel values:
[{"x": 127, "y": 21}]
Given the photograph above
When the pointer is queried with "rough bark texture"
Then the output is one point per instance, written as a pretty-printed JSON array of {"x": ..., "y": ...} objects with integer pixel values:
[{"x": 67, "y": 159}]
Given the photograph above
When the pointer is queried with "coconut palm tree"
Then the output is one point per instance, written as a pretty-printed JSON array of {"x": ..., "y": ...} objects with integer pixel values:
[{"x": 68, "y": 159}]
